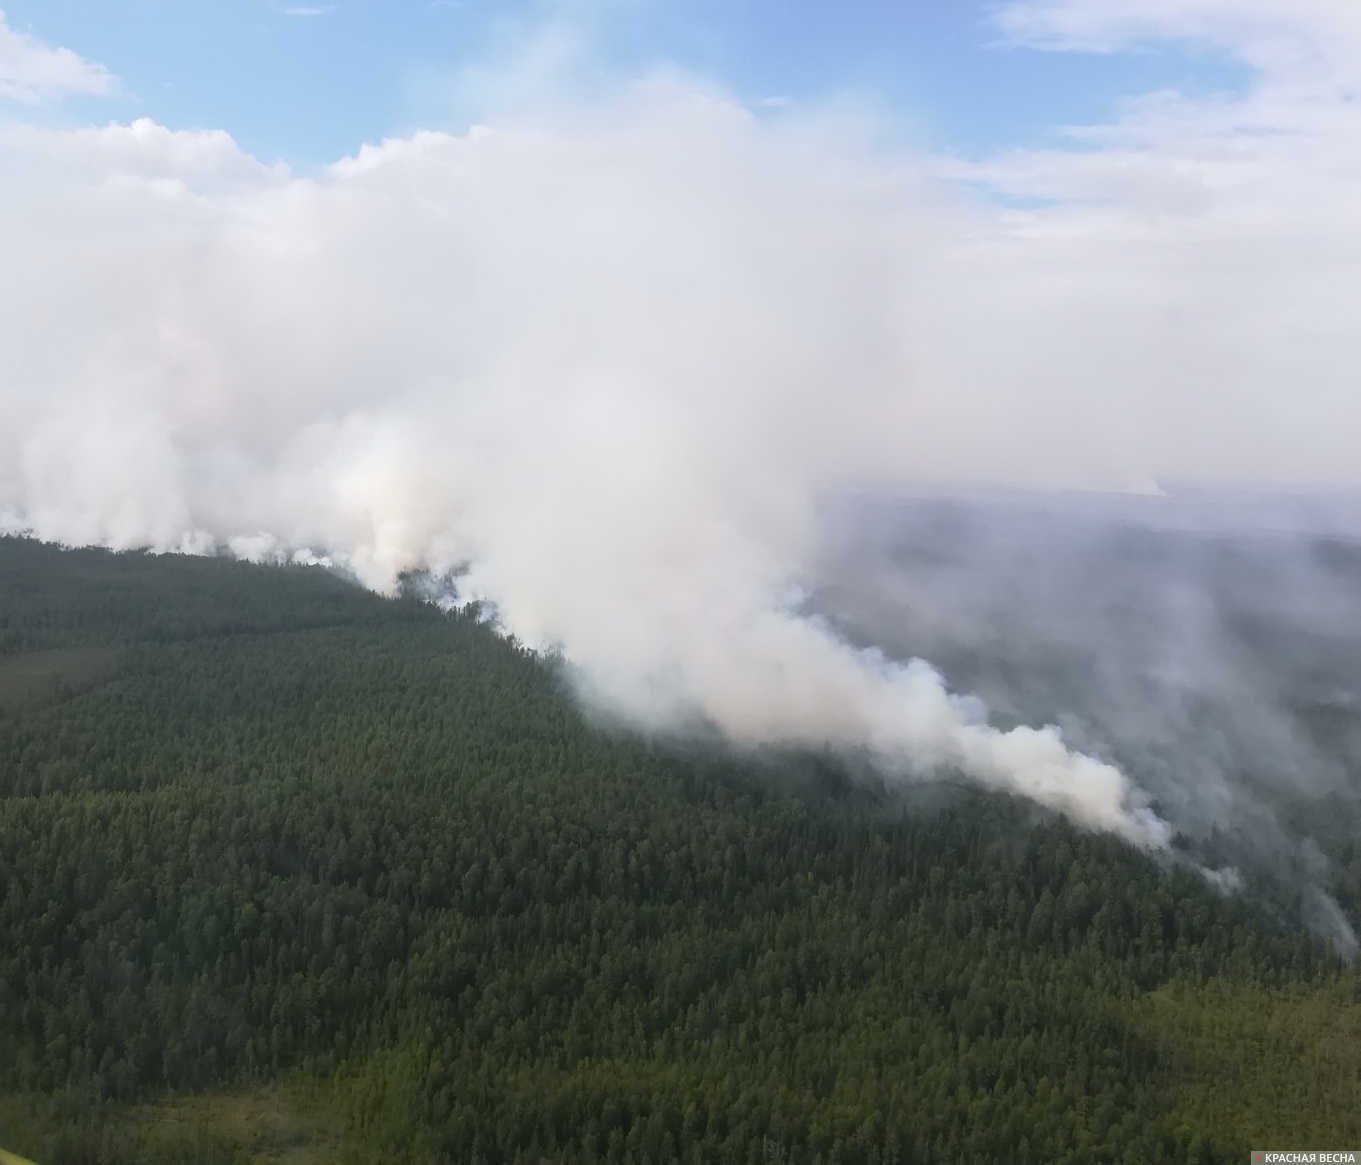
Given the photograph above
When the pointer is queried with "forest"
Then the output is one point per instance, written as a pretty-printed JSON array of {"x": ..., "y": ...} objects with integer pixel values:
[{"x": 271, "y": 844}]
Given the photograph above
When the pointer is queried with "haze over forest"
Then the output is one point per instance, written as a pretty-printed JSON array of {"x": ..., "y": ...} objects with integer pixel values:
[{"x": 779, "y": 427}]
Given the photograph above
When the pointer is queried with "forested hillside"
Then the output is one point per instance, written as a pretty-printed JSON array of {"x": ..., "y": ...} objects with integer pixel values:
[{"x": 263, "y": 834}]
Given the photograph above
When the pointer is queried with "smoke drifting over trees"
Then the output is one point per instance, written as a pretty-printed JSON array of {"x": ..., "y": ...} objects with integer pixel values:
[
  {"x": 608, "y": 356},
  {"x": 1210, "y": 645}
]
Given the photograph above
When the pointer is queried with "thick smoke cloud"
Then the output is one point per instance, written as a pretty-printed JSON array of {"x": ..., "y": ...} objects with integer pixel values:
[{"x": 607, "y": 357}]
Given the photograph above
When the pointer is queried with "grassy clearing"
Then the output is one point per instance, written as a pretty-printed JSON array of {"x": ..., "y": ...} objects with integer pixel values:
[
  {"x": 1264, "y": 1066},
  {"x": 276, "y": 1126},
  {"x": 289, "y": 1124},
  {"x": 35, "y": 676}
]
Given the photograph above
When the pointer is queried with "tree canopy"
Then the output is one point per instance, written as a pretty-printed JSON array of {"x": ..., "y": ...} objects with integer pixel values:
[{"x": 259, "y": 825}]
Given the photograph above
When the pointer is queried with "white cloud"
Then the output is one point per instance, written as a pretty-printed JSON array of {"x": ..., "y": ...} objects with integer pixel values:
[
  {"x": 1238, "y": 25},
  {"x": 1306, "y": 45},
  {"x": 32, "y": 72},
  {"x": 307, "y": 11},
  {"x": 1235, "y": 225},
  {"x": 200, "y": 160}
]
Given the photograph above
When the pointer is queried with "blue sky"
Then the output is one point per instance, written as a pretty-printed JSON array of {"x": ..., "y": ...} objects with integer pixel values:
[{"x": 311, "y": 88}]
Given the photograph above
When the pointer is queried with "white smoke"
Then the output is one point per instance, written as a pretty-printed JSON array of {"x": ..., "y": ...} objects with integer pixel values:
[{"x": 609, "y": 355}]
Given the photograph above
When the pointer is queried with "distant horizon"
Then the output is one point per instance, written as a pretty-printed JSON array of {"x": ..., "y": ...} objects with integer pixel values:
[{"x": 1211, "y": 510}]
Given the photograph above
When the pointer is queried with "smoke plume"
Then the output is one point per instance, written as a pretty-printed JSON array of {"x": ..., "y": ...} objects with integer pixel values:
[{"x": 610, "y": 354}]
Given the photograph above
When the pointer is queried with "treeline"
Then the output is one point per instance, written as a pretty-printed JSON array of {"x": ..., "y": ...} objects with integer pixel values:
[{"x": 298, "y": 829}]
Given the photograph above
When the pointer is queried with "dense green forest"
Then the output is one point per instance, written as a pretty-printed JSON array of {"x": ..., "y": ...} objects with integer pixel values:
[{"x": 265, "y": 836}]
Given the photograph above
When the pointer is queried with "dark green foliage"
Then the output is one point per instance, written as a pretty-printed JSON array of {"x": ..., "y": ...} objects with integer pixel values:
[
  {"x": 302, "y": 828},
  {"x": 51, "y": 598}
]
